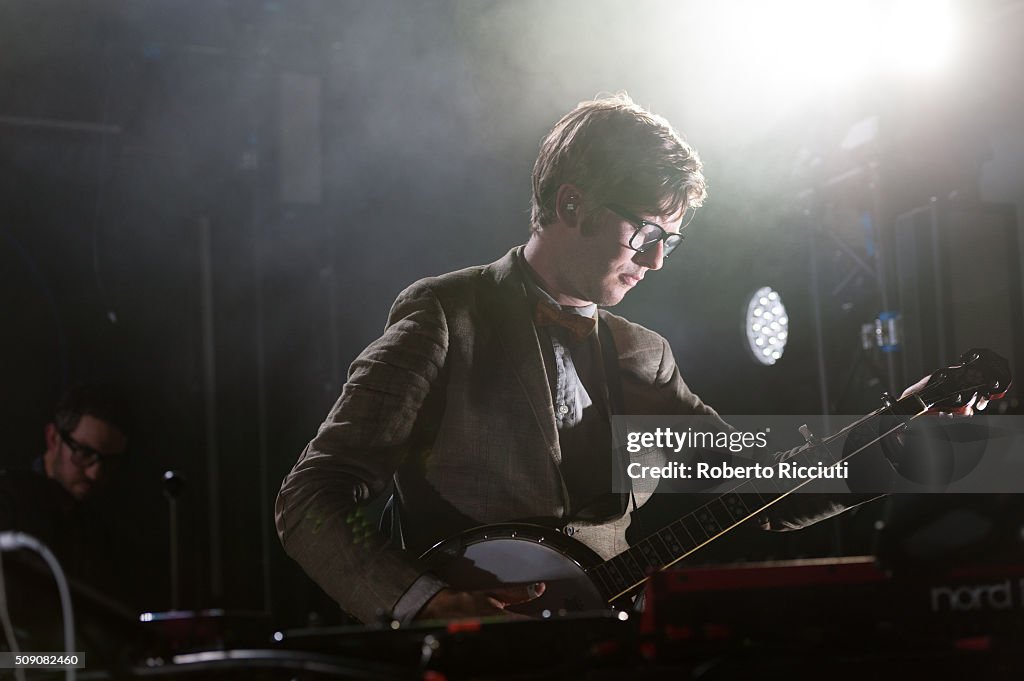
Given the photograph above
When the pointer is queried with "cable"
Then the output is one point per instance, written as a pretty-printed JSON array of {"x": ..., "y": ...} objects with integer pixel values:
[
  {"x": 13, "y": 541},
  {"x": 12, "y": 640}
]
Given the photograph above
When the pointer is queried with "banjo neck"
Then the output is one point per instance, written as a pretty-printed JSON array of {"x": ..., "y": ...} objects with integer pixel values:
[{"x": 626, "y": 572}]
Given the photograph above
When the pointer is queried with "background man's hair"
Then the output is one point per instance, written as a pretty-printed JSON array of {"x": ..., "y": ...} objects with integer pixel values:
[
  {"x": 102, "y": 401},
  {"x": 616, "y": 152}
]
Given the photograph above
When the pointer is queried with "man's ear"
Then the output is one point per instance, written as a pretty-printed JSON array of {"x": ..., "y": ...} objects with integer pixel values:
[
  {"x": 569, "y": 205},
  {"x": 50, "y": 436}
]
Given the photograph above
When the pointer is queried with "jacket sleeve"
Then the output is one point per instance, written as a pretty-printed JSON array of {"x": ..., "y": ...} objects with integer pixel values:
[{"x": 354, "y": 456}]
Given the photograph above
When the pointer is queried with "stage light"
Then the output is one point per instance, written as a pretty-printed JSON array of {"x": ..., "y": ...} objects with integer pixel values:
[
  {"x": 767, "y": 325},
  {"x": 793, "y": 44},
  {"x": 920, "y": 36},
  {"x": 803, "y": 48}
]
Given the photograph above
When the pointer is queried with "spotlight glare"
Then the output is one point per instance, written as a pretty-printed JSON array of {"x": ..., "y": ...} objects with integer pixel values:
[
  {"x": 766, "y": 335},
  {"x": 798, "y": 51},
  {"x": 921, "y": 36}
]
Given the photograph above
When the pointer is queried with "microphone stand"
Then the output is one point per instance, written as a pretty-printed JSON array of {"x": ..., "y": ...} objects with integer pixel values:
[{"x": 174, "y": 483}]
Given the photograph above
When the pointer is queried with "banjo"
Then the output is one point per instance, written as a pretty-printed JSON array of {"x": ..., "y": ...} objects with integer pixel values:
[{"x": 578, "y": 580}]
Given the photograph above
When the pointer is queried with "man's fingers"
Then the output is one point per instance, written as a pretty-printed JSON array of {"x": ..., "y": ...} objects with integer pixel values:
[
  {"x": 977, "y": 402},
  {"x": 917, "y": 387},
  {"x": 966, "y": 410},
  {"x": 500, "y": 608},
  {"x": 511, "y": 595},
  {"x": 449, "y": 604}
]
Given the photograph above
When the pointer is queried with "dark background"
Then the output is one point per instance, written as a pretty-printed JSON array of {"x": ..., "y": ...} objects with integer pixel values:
[{"x": 215, "y": 204}]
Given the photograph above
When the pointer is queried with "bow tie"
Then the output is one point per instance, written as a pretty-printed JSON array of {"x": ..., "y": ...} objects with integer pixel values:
[{"x": 578, "y": 326}]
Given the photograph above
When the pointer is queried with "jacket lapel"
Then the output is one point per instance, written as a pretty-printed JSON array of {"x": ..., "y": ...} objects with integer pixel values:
[{"x": 506, "y": 307}]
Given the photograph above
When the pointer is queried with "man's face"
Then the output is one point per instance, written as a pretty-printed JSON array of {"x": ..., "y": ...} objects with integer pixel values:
[
  {"x": 601, "y": 267},
  {"x": 69, "y": 462}
]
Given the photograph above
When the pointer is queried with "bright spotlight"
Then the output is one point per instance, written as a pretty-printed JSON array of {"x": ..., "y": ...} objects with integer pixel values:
[
  {"x": 920, "y": 36},
  {"x": 804, "y": 47},
  {"x": 767, "y": 325}
]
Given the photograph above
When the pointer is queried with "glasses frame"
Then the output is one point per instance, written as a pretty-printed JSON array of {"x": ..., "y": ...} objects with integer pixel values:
[
  {"x": 669, "y": 240},
  {"x": 84, "y": 456}
]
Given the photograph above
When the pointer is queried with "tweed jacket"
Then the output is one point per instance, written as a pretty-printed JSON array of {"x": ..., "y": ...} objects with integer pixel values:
[{"x": 453, "y": 403}]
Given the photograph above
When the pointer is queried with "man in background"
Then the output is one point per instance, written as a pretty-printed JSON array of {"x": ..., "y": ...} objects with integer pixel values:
[
  {"x": 54, "y": 501},
  {"x": 83, "y": 443}
]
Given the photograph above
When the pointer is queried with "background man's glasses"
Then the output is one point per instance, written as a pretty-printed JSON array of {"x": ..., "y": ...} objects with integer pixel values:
[
  {"x": 84, "y": 456},
  {"x": 646, "y": 235}
]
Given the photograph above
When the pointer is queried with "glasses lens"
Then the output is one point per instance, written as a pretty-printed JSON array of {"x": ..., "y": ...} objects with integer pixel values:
[
  {"x": 646, "y": 237},
  {"x": 671, "y": 241},
  {"x": 84, "y": 457}
]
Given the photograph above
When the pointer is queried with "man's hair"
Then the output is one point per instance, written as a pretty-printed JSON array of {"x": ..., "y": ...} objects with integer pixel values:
[
  {"x": 99, "y": 400},
  {"x": 616, "y": 152}
]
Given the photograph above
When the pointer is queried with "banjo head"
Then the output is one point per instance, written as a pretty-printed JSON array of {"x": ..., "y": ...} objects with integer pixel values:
[{"x": 512, "y": 554}]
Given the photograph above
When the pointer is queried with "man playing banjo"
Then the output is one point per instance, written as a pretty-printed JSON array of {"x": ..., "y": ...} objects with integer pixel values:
[{"x": 488, "y": 397}]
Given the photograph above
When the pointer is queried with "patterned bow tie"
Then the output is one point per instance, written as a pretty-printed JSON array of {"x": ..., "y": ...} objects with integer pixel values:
[{"x": 578, "y": 326}]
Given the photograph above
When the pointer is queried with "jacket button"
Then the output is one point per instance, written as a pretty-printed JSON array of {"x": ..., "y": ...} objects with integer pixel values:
[{"x": 563, "y": 409}]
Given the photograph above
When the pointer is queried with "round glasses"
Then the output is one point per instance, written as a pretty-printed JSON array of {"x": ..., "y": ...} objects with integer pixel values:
[{"x": 646, "y": 235}]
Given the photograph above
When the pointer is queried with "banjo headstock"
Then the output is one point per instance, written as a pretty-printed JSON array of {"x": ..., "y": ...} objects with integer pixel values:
[{"x": 980, "y": 372}]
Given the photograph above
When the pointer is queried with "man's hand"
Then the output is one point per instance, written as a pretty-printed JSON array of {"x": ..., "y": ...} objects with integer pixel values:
[
  {"x": 450, "y": 604},
  {"x": 976, "y": 403}
]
